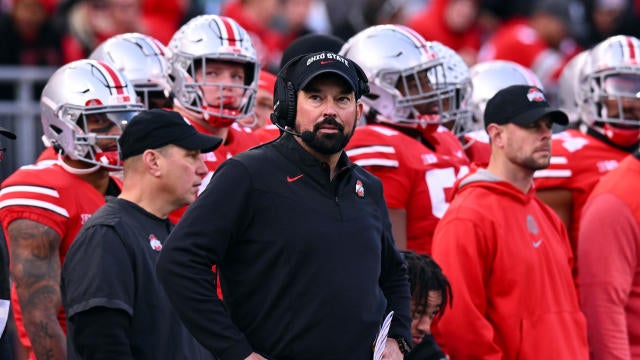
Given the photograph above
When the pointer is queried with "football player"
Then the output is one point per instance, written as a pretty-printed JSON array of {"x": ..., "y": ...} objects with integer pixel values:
[
  {"x": 84, "y": 106},
  {"x": 609, "y": 127},
  {"x": 215, "y": 70},
  {"x": 404, "y": 142}
]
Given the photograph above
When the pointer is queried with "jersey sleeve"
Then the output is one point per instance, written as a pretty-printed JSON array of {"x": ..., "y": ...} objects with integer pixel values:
[
  {"x": 461, "y": 249},
  {"x": 98, "y": 272},
  {"x": 563, "y": 162},
  {"x": 22, "y": 198},
  {"x": 607, "y": 264},
  {"x": 378, "y": 155}
]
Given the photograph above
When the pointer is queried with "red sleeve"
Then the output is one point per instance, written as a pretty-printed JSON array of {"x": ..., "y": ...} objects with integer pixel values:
[
  {"x": 382, "y": 158},
  {"x": 607, "y": 262},
  {"x": 461, "y": 249}
]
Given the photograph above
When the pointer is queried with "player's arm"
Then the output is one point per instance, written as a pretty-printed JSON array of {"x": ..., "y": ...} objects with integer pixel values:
[
  {"x": 560, "y": 200},
  {"x": 35, "y": 270},
  {"x": 398, "y": 219}
]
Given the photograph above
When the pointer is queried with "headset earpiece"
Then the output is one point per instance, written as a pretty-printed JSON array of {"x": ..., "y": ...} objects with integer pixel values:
[
  {"x": 363, "y": 81},
  {"x": 284, "y": 97},
  {"x": 290, "y": 117}
]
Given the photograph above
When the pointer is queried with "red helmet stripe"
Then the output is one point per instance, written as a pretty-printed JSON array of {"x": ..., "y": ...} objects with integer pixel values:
[
  {"x": 155, "y": 44},
  {"x": 417, "y": 38},
  {"x": 228, "y": 31},
  {"x": 112, "y": 76},
  {"x": 632, "y": 50}
]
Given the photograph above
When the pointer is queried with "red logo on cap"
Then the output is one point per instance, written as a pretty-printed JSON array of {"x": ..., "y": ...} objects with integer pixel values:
[
  {"x": 323, "y": 62},
  {"x": 535, "y": 95}
]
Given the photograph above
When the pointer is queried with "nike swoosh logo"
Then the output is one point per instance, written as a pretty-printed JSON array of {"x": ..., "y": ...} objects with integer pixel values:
[
  {"x": 536, "y": 244},
  {"x": 292, "y": 179},
  {"x": 326, "y": 62}
]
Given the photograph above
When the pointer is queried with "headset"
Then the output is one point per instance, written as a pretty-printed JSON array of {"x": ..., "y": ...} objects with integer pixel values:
[{"x": 284, "y": 95}]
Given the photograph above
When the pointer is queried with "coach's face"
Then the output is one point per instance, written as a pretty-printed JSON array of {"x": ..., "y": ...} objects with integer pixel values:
[{"x": 327, "y": 108}]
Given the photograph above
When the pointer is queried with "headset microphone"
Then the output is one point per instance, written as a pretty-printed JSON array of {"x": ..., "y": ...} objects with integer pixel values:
[{"x": 306, "y": 136}]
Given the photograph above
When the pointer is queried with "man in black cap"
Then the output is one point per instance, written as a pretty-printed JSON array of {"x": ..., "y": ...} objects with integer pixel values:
[
  {"x": 310, "y": 43},
  {"x": 5, "y": 294},
  {"x": 505, "y": 252},
  {"x": 115, "y": 306},
  {"x": 300, "y": 235}
]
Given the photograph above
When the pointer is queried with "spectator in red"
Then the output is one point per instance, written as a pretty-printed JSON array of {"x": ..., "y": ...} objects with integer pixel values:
[
  {"x": 162, "y": 18},
  {"x": 291, "y": 21},
  {"x": 256, "y": 16},
  {"x": 540, "y": 42},
  {"x": 90, "y": 22},
  {"x": 28, "y": 38},
  {"x": 453, "y": 23}
]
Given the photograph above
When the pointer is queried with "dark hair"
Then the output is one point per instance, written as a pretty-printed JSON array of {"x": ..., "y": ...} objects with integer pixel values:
[{"x": 426, "y": 275}]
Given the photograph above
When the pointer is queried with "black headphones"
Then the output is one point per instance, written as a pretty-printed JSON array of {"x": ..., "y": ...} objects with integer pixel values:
[{"x": 284, "y": 93}]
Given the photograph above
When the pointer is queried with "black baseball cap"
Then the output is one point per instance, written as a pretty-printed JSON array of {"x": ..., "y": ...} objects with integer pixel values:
[
  {"x": 155, "y": 128},
  {"x": 521, "y": 105},
  {"x": 7, "y": 133},
  {"x": 303, "y": 70},
  {"x": 311, "y": 43}
]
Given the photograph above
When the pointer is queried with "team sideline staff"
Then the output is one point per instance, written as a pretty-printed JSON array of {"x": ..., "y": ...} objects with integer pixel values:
[{"x": 300, "y": 235}]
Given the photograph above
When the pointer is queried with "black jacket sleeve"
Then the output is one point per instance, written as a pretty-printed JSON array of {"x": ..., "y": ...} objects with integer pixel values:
[
  {"x": 394, "y": 282},
  {"x": 100, "y": 333},
  {"x": 197, "y": 243}
]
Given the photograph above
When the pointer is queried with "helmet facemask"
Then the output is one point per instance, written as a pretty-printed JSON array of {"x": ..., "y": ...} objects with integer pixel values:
[
  {"x": 95, "y": 135},
  {"x": 615, "y": 106},
  {"x": 77, "y": 94},
  {"x": 418, "y": 95},
  {"x": 220, "y": 103}
]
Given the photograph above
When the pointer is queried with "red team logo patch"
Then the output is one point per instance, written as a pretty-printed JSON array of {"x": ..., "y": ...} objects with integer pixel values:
[
  {"x": 535, "y": 95},
  {"x": 155, "y": 243},
  {"x": 359, "y": 189},
  {"x": 93, "y": 102}
]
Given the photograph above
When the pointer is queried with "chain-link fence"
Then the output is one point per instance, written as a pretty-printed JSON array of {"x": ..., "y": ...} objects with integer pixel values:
[{"x": 22, "y": 115}]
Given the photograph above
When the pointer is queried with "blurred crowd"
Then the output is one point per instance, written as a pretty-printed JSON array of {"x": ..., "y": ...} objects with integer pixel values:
[
  {"x": 427, "y": 124},
  {"x": 541, "y": 35}
]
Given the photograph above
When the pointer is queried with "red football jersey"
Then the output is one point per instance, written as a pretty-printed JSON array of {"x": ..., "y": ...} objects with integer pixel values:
[
  {"x": 238, "y": 140},
  {"x": 448, "y": 146},
  {"x": 577, "y": 163},
  {"x": 48, "y": 194},
  {"x": 267, "y": 133},
  {"x": 415, "y": 178},
  {"x": 478, "y": 148}
]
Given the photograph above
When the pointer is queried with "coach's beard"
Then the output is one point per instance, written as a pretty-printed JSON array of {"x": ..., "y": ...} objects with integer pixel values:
[{"x": 327, "y": 144}]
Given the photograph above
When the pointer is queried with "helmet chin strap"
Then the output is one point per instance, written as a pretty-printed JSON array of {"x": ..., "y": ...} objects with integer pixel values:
[
  {"x": 429, "y": 123},
  {"x": 212, "y": 115},
  {"x": 76, "y": 171},
  {"x": 109, "y": 159},
  {"x": 620, "y": 136}
]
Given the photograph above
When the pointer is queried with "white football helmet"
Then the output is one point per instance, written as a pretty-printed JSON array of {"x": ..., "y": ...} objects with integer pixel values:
[
  {"x": 407, "y": 79},
  {"x": 456, "y": 76},
  {"x": 613, "y": 77},
  {"x": 212, "y": 38},
  {"x": 141, "y": 58},
  {"x": 81, "y": 89},
  {"x": 569, "y": 94},
  {"x": 491, "y": 76}
]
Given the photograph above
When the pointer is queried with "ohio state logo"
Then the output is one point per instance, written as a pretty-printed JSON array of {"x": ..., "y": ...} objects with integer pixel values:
[
  {"x": 155, "y": 243},
  {"x": 359, "y": 189},
  {"x": 535, "y": 95}
]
